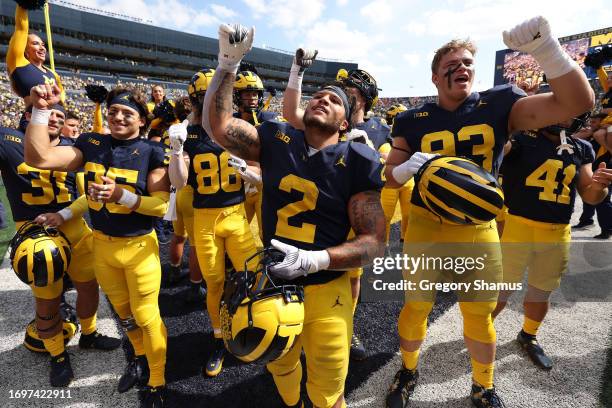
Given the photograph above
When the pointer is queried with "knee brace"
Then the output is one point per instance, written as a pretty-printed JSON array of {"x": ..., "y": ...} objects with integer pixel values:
[
  {"x": 52, "y": 323},
  {"x": 477, "y": 321}
]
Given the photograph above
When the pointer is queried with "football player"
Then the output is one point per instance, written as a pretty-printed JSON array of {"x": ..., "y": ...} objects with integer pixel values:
[
  {"x": 311, "y": 199},
  {"x": 128, "y": 186},
  {"x": 72, "y": 124},
  {"x": 390, "y": 196},
  {"x": 543, "y": 172},
  {"x": 25, "y": 58},
  {"x": 183, "y": 224},
  {"x": 475, "y": 125},
  {"x": 219, "y": 221},
  {"x": 32, "y": 192},
  {"x": 363, "y": 93}
]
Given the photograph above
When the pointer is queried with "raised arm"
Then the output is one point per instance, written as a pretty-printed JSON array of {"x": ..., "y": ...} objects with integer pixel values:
[
  {"x": 236, "y": 135},
  {"x": 19, "y": 41},
  {"x": 38, "y": 150},
  {"x": 571, "y": 93},
  {"x": 303, "y": 59},
  {"x": 178, "y": 169}
]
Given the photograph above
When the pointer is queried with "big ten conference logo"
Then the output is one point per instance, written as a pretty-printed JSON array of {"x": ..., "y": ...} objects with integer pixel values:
[
  {"x": 421, "y": 114},
  {"x": 281, "y": 136},
  {"x": 93, "y": 141}
]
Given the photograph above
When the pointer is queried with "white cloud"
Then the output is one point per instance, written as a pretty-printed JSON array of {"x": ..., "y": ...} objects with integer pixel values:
[
  {"x": 222, "y": 11},
  {"x": 341, "y": 2},
  {"x": 287, "y": 14},
  {"x": 377, "y": 12},
  {"x": 412, "y": 59},
  {"x": 415, "y": 28}
]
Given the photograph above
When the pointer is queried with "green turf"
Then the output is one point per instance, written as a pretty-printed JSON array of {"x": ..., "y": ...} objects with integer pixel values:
[
  {"x": 7, "y": 233},
  {"x": 606, "y": 388}
]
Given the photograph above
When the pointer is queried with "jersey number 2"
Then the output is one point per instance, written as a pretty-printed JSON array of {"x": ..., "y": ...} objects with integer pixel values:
[{"x": 305, "y": 232}]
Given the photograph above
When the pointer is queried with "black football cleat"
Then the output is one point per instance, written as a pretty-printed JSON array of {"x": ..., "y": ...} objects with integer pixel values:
[
  {"x": 214, "y": 364},
  {"x": 98, "y": 341},
  {"x": 152, "y": 397},
  {"x": 61, "y": 371},
  {"x": 136, "y": 373},
  {"x": 486, "y": 398},
  {"x": 534, "y": 350},
  {"x": 358, "y": 350},
  {"x": 402, "y": 388},
  {"x": 603, "y": 235}
]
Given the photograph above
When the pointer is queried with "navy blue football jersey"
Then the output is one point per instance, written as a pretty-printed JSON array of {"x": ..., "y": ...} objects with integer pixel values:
[
  {"x": 262, "y": 116},
  {"x": 305, "y": 198},
  {"x": 28, "y": 76},
  {"x": 378, "y": 132},
  {"x": 602, "y": 155},
  {"x": 215, "y": 183},
  {"x": 129, "y": 162},
  {"x": 478, "y": 129},
  {"x": 31, "y": 191},
  {"x": 539, "y": 183}
]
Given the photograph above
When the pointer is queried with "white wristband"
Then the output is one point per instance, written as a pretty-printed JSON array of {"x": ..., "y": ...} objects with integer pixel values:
[
  {"x": 251, "y": 177},
  {"x": 295, "y": 77},
  {"x": 321, "y": 259},
  {"x": 128, "y": 199},
  {"x": 554, "y": 61},
  {"x": 228, "y": 67},
  {"x": 40, "y": 116},
  {"x": 65, "y": 213},
  {"x": 609, "y": 129}
]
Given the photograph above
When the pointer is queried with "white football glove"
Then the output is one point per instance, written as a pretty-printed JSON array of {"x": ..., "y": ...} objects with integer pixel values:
[
  {"x": 409, "y": 168},
  {"x": 360, "y": 136},
  {"x": 304, "y": 58},
  {"x": 178, "y": 134},
  {"x": 237, "y": 163},
  {"x": 235, "y": 41},
  {"x": 298, "y": 262},
  {"x": 534, "y": 37}
]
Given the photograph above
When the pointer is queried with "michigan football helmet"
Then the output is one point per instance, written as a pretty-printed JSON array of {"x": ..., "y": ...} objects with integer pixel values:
[
  {"x": 459, "y": 191},
  {"x": 341, "y": 75},
  {"x": 70, "y": 323},
  {"x": 393, "y": 111},
  {"x": 39, "y": 255},
  {"x": 248, "y": 81},
  {"x": 366, "y": 84},
  {"x": 260, "y": 319},
  {"x": 199, "y": 83}
]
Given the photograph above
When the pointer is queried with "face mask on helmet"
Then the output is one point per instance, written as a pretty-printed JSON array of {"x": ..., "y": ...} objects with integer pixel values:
[
  {"x": 366, "y": 84},
  {"x": 260, "y": 318},
  {"x": 577, "y": 124}
]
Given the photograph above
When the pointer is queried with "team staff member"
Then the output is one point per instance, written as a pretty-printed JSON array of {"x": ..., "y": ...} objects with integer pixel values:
[
  {"x": 219, "y": 221},
  {"x": 128, "y": 187},
  {"x": 477, "y": 126},
  {"x": 32, "y": 192},
  {"x": 25, "y": 59},
  {"x": 543, "y": 172},
  {"x": 311, "y": 199}
]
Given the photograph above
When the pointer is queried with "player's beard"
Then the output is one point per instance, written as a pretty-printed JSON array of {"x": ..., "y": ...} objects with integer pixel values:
[{"x": 325, "y": 127}]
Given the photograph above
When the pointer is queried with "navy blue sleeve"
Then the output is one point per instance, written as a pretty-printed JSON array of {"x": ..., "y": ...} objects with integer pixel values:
[
  {"x": 81, "y": 142},
  {"x": 159, "y": 156},
  {"x": 588, "y": 152},
  {"x": 367, "y": 168}
]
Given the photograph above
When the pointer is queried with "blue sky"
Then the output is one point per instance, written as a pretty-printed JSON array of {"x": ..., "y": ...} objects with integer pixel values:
[{"x": 393, "y": 40}]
